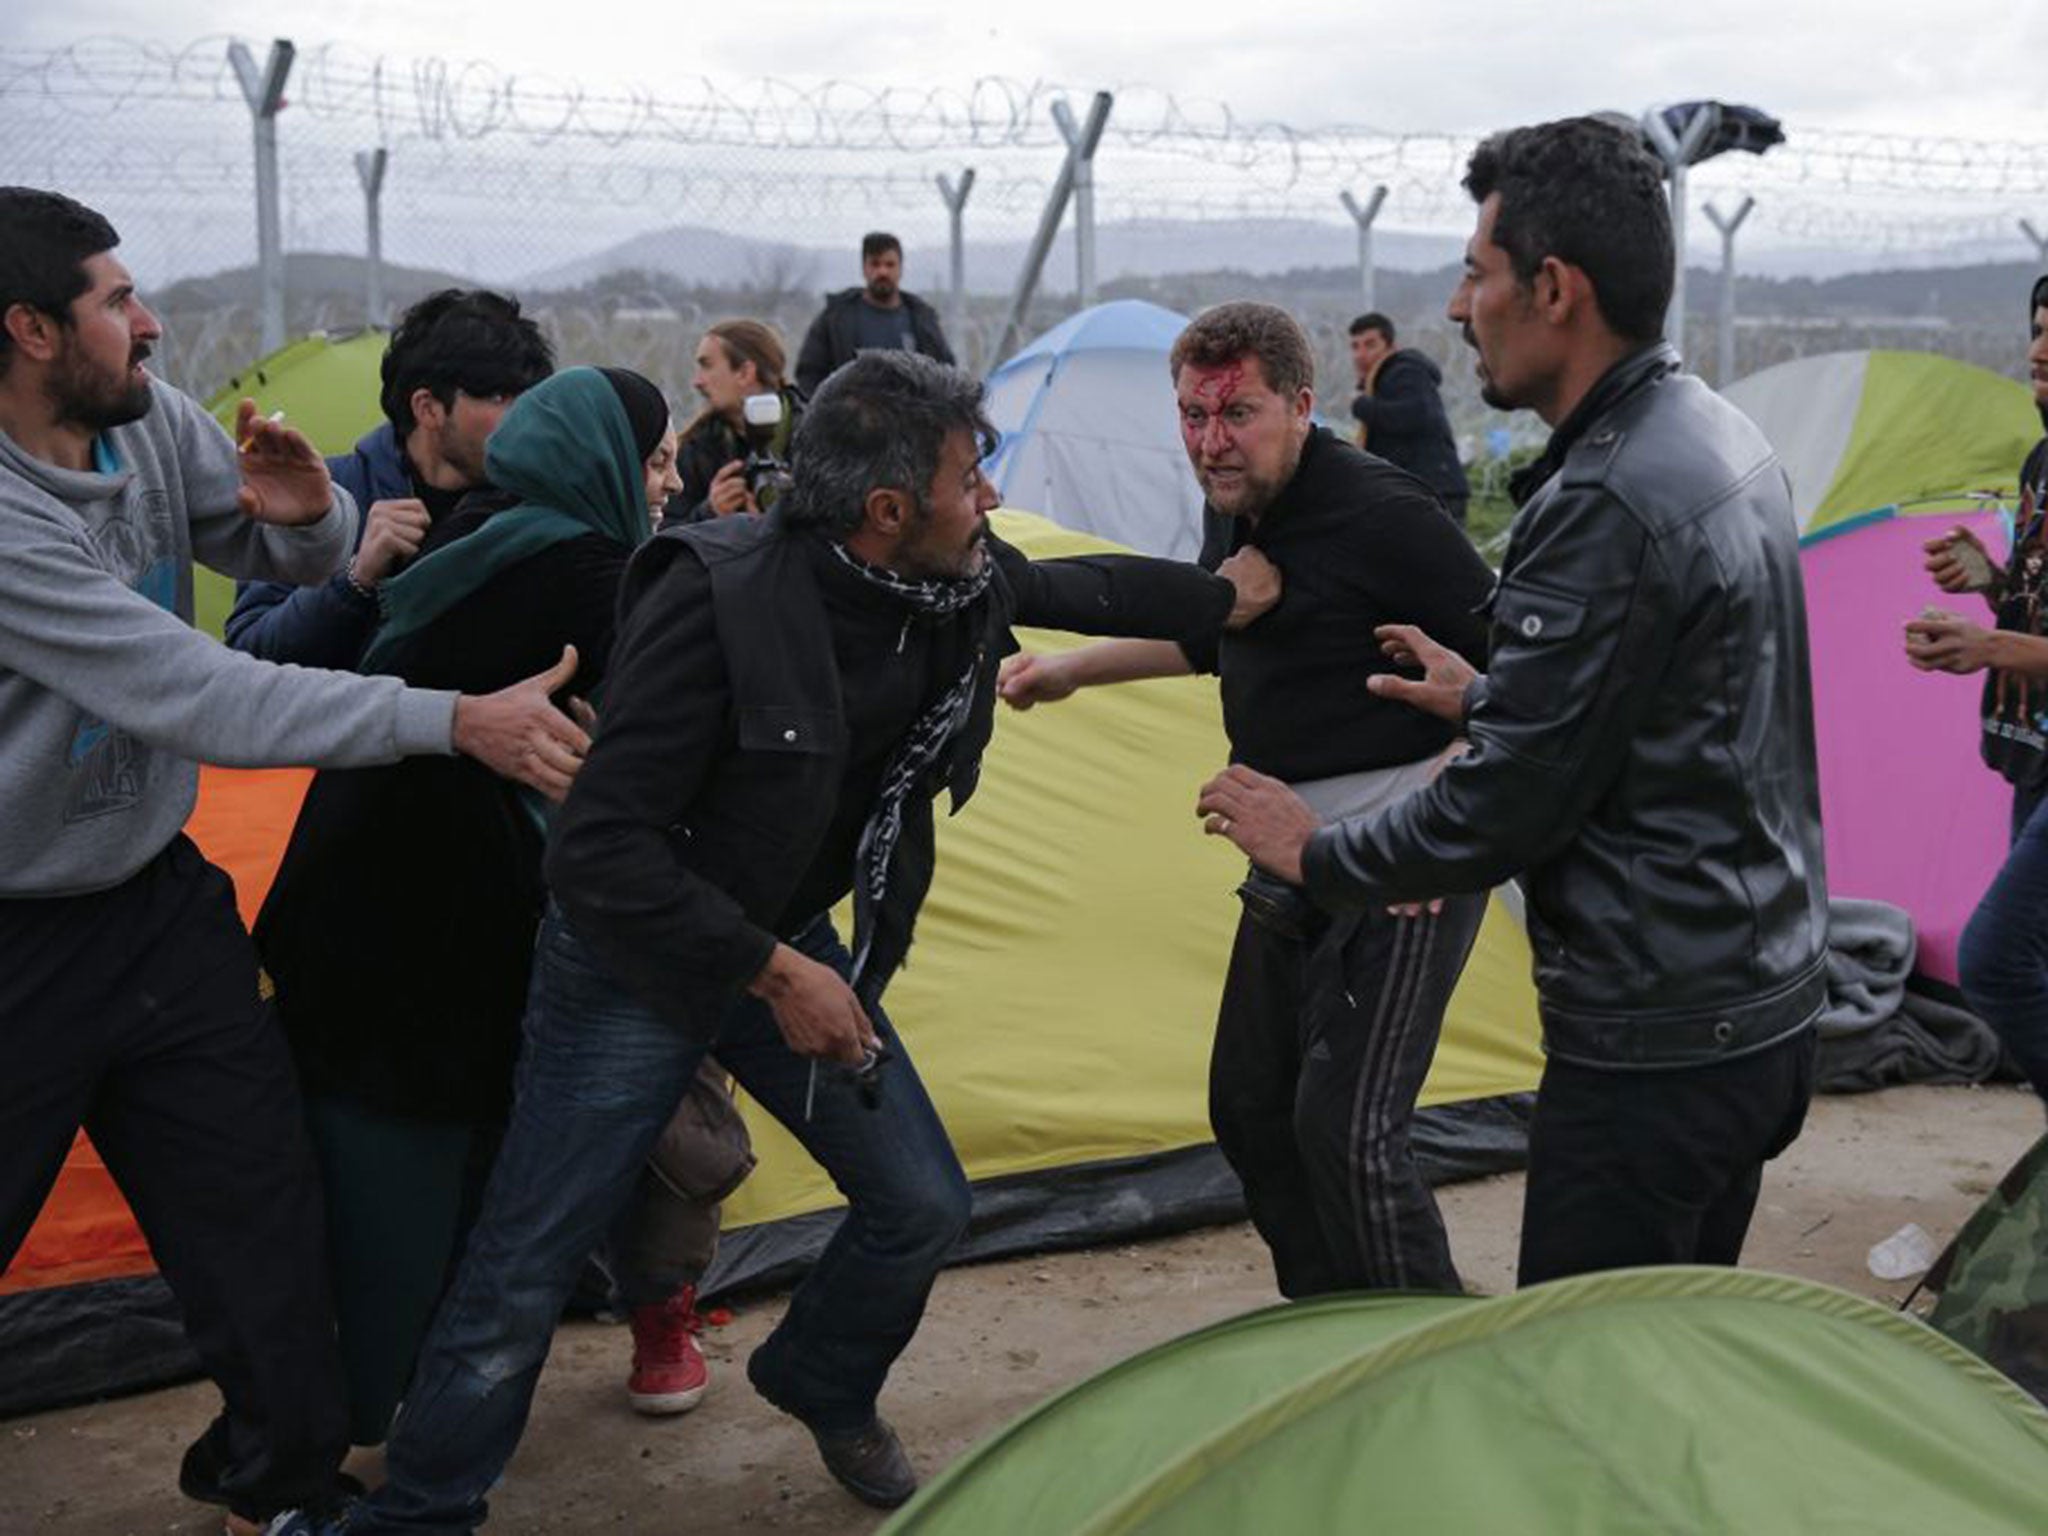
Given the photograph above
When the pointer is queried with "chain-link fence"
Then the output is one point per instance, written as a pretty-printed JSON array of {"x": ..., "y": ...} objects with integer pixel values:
[{"x": 628, "y": 220}]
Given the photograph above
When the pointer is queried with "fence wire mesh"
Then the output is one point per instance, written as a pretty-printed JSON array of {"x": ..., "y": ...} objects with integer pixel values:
[{"x": 630, "y": 218}]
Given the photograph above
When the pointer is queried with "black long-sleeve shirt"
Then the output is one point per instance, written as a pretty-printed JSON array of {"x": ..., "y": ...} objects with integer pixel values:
[{"x": 1359, "y": 544}]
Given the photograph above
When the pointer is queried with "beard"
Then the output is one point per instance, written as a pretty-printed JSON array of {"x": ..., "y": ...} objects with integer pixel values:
[
  {"x": 1247, "y": 494},
  {"x": 94, "y": 399},
  {"x": 920, "y": 558}
]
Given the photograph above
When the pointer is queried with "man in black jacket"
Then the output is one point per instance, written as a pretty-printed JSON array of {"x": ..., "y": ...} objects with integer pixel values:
[
  {"x": 1642, "y": 745},
  {"x": 787, "y": 696},
  {"x": 1328, "y": 1022},
  {"x": 1402, "y": 415},
  {"x": 879, "y": 316}
]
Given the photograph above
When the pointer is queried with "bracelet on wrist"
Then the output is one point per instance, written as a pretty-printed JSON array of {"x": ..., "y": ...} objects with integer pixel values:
[{"x": 348, "y": 577}]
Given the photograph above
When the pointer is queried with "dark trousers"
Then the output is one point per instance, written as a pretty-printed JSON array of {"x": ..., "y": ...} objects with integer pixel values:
[
  {"x": 597, "y": 1079},
  {"x": 1662, "y": 1167},
  {"x": 2002, "y": 960},
  {"x": 1325, "y": 1034},
  {"x": 134, "y": 1013}
]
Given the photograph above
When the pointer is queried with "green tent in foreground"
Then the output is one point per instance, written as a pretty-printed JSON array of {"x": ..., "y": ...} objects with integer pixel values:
[{"x": 1673, "y": 1401}]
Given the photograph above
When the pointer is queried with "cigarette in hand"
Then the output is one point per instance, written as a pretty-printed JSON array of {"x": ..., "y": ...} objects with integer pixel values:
[{"x": 250, "y": 441}]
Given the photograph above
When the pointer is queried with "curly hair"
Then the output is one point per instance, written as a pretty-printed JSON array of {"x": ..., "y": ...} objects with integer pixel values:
[{"x": 471, "y": 340}]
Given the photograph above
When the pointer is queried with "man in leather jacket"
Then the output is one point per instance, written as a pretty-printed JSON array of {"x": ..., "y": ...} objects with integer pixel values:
[{"x": 1642, "y": 749}]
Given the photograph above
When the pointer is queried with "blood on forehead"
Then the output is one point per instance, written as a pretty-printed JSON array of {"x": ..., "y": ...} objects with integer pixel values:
[{"x": 1217, "y": 387}]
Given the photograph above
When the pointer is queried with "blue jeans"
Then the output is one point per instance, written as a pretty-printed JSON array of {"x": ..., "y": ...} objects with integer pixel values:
[
  {"x": 2002, "y": 960},
  {"x": 598, "y": 1077}
]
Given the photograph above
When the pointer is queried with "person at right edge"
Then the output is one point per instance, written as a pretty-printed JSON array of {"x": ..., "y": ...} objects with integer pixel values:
[
  {"x": 1641, "y": 743},
  {"x": 2002, "y": 960}
]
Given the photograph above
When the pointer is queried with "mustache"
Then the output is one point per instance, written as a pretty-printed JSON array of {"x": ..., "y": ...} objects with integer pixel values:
[{"x": 1471, "y": 340}]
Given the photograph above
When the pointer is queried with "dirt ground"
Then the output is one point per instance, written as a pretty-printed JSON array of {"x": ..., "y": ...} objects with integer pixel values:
[{"x": 998, "y": 1338}]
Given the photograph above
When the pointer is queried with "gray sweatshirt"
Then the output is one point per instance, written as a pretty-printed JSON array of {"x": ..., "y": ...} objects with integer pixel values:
[{"x": 109, "y": 698}]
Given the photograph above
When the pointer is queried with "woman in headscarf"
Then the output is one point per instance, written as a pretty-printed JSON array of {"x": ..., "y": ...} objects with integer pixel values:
[{"x": 399, "y": 932}]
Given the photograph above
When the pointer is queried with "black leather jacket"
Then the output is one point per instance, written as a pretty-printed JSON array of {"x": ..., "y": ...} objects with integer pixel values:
[{"x": 1642, "y": 745}]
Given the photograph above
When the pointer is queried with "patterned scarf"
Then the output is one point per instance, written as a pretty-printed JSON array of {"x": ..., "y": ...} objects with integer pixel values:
[{"x": 928, "y": 601}]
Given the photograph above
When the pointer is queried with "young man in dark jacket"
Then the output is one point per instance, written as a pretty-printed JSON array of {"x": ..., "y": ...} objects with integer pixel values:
[
  {"x": 788, "y": 695},
  {"x": 1401, "y": 413},
  {"x": 456, "y": 361},
  {"x": 1328, "y": 1022},
  {"x": 1642, "y": 742},
  {"x": 878, "y": 316}
]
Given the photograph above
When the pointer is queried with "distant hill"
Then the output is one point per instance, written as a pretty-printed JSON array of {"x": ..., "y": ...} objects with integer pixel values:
[
  {"x": 319, "y": 280},
  {"x": 708, "y": 258}
]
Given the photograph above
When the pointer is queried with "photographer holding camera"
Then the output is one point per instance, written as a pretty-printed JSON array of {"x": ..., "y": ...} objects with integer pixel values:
[{"x": 732, "y": 458}]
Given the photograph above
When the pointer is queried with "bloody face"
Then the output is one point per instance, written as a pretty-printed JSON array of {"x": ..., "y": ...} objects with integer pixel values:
[{"x": 1243, "y": 437}]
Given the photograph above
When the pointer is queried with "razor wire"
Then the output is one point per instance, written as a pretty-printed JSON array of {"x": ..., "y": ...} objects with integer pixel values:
[{"x": 524, "y": 179}]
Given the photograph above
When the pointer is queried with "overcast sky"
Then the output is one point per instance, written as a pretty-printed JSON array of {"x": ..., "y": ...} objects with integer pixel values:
[{"x": 1972, "y": 67}]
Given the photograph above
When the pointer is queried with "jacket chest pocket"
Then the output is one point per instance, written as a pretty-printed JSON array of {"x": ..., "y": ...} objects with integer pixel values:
[
  {"x": 787, "y": 729},
  {"x": 1535, "y": 615}
]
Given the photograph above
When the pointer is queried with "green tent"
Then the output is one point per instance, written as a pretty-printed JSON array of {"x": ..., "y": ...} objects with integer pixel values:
[
  {"x": 326, "y": 385},
  {"x": 1674, "y": 1401},
  {"x": 1862, "y": 430}
]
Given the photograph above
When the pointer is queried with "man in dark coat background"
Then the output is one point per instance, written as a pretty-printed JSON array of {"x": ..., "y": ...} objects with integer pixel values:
[
  {"x": 879, "y": 315},
  {"x": 1402, "y": 414}
]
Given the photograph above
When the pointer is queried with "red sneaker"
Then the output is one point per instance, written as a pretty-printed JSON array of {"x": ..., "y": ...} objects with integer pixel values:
[{"x": 669, "y": 1374}]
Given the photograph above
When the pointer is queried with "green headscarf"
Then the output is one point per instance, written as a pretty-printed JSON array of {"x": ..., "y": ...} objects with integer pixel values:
[{"x": 566, "y": 447}]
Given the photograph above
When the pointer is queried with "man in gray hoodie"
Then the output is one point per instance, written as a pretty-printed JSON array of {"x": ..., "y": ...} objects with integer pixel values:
[{"x": 128, "y": 987}]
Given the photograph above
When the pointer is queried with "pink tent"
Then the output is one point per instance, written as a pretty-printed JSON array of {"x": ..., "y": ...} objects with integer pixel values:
[{"x": 1913, "y": 817}]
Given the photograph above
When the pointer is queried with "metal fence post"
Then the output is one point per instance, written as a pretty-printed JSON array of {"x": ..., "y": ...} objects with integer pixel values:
[
  {"x": 263, "y": 89},
  {"x": 1724, "y": 348},
  {"x": 2040, "y": 244},
  {"x": 370, "y": 167},
  {"x": 1081, "y": 141},
  {"x": 956, "y": 207},
  {"x": 1363, "y": 217},
  {"x": 1049, "y": 224},
  {"x": 1677, "y": 151}
]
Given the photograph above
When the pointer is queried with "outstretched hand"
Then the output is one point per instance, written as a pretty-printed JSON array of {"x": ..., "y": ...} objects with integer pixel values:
[
  {"x": 1440, "y": 691},
  {"x": 1268, "y": 821},
  {"x": 518, "y": 733},
  {"x": 284, "y": 479},
  {"x": 1028, "y": 678}
]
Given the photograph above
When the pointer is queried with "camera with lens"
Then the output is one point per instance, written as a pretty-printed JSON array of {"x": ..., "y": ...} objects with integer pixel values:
[{"x": 766, "y": 474}]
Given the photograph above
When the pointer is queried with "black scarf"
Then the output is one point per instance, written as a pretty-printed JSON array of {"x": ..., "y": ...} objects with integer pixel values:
[{"x": 927, "y": 601}]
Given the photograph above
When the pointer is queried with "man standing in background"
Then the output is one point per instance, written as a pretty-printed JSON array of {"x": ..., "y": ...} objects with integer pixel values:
[
  {"x": 1401, "y": 414},
  {"x": 879, "y": 316}
]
